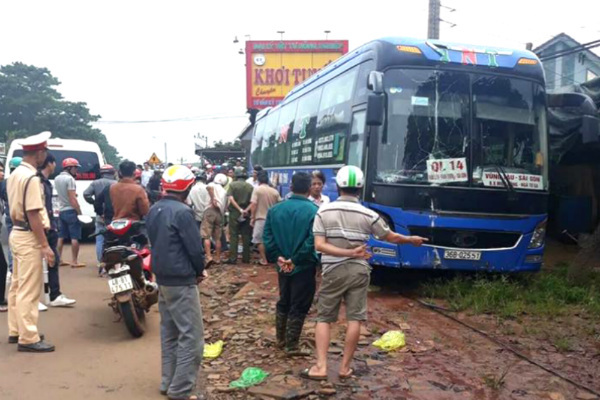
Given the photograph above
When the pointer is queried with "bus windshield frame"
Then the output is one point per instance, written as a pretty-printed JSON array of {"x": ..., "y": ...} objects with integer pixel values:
[{"x": 447, "y": 127}]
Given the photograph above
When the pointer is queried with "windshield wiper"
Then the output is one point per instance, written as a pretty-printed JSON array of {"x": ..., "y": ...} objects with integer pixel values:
[{"x": 504, "y": 178}]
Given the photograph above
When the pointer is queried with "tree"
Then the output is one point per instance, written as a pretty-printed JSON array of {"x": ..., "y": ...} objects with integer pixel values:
[
  {"x": 30, "y": 103},
  {"x": 236, "y": 145}
]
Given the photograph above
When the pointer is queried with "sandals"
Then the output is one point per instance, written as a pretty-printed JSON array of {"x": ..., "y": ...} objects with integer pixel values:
[
  {"x": 348, "y": 375},
  {"x": 78, "y": 265},
  {"x": 305, "y": 374}
]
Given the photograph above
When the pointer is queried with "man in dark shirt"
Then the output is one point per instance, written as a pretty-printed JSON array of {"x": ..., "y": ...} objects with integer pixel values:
[
  {"x": 240, "y": 194},
  {"x": 94, "y": 195},
  {"x": 57, "y": 299},
  {"x": 178, "y": 263},
  {"x": 129, "y": 200},
  {"x": 288, "y": 240}
]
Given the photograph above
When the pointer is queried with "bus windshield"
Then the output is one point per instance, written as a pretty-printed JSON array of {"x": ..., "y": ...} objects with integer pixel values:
[{"x": 462, "y": 129}]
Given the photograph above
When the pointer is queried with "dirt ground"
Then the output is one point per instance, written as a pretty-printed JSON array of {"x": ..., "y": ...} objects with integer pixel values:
[{"x": 97, "y": 359}]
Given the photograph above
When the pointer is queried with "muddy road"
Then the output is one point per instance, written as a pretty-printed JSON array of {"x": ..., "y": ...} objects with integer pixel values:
[{"x": 97, "y": 359}]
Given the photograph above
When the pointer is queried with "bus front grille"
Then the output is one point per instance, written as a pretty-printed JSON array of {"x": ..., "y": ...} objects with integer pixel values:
[{"x": 466, "y": 239}]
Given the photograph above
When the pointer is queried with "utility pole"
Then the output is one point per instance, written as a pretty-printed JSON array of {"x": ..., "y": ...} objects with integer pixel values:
[{"x": 433, "y": 28}]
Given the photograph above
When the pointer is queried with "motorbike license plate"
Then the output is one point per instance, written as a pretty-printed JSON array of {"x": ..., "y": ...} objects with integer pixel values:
[
  {"x": 120, "y": 284},
  {"x": 462, "y": 255}
]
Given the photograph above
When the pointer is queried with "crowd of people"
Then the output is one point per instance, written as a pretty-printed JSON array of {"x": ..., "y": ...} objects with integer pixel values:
[{"x": 193, "y": 216}]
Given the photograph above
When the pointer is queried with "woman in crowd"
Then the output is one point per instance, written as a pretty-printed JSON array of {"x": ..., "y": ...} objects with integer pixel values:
[{"x": 316, "y": 189}]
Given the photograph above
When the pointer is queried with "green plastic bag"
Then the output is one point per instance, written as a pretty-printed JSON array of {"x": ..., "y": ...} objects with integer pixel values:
[
  {"x": 390, "y": 340},
  {"x": 250, "y": 377}
]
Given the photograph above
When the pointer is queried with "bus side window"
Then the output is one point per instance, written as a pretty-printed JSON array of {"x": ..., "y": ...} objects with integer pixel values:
[
  {"x": 357, "y": 139},
  {"x": 334, "y": 109},
  {"x": 361, "y": 91}
]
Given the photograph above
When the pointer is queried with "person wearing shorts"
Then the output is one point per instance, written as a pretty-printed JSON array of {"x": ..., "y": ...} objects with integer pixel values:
[
  {"x": 69, "y": 226},
  {"x": 263, "y": 198},
  {"x": 341, "y": 230},
  {"x": 212, "y": 221}
]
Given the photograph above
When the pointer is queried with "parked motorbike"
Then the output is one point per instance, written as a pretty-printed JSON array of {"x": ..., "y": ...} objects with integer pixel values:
[{"x": 126, "y": 260}]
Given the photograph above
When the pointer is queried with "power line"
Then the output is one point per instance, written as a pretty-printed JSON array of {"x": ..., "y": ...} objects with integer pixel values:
[
  {"x": 183, "y": 119},
  {"x": 571, "y": 50}
]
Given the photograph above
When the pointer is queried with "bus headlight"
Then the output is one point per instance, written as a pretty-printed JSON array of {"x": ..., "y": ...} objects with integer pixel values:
[{"x": 539, "y": 236}]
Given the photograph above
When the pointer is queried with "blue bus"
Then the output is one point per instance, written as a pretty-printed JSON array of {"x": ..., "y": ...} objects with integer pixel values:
[{"x": 452, "y": 139}]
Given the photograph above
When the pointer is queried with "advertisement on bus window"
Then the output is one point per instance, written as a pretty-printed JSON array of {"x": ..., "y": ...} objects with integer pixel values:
[{"x": 273, "y": 68}]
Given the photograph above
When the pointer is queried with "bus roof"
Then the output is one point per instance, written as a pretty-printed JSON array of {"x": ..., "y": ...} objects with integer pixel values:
[{"x": 402, "y": 51}]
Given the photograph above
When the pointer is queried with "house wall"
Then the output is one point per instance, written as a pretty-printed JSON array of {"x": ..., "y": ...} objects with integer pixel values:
[{"x": 570, "y": 69}]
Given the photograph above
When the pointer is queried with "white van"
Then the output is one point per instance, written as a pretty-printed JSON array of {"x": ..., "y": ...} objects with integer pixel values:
[{"x": 89, "y": 156}]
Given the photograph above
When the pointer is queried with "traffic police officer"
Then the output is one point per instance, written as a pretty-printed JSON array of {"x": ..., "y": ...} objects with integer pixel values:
[{"x": 29, "y": 246}]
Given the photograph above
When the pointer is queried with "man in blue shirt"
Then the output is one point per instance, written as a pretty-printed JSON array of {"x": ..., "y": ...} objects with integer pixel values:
[
  {"x": 178, "y": 263},
  {"x": 289, "y": 241}
]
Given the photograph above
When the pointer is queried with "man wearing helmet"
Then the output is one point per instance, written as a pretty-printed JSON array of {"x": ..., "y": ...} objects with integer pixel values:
[
  {"x": 178, "y": 263},
  {"x": 212, "y": 220},
  {"x": 93, "y": 195},
  {"x": 68, "y": 206},
  {"x": 341, "y": 230}
]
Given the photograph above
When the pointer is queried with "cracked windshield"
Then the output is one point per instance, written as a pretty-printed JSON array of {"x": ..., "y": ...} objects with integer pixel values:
[{"x": 431, "y": 139}]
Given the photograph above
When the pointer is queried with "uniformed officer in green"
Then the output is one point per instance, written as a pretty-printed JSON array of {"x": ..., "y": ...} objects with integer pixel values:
[
  {"x": 29, "y": 246},
  {"x": 240, "y": 194}
]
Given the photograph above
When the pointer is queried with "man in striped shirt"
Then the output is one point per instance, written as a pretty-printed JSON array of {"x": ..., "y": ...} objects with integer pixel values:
[{"x": 341, "y": 230}]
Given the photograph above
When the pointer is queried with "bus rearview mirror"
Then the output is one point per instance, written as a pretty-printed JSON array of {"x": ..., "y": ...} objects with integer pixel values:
[
  {"x": 375, "y": 109},
  {"x": 375, "y": 82}
]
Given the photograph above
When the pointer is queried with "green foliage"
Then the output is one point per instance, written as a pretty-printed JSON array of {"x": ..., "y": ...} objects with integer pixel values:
[
  {"x": 30, "y": 103},
  {"x": 547, "y": 293},
  {"x": 496, "y": 382},
  {"x": 230, "y": 146},
  {"x": 563, "y": 344}
]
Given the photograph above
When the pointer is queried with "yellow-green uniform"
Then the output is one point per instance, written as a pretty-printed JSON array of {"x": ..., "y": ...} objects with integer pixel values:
[{"x": 26, "y": 286}]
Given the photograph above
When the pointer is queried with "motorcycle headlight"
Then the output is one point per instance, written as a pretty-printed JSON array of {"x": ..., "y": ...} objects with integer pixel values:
[{"x": 539, "y": 236}]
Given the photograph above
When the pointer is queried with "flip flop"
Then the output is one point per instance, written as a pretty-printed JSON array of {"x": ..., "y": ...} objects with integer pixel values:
[
  {"x": 304, "y": 374},
  {"x": 209, "y": 263},
  {"x": 64, "y": 264},
  {"x": 78, "y": 265},
  {"x": 348, "y": 375}
]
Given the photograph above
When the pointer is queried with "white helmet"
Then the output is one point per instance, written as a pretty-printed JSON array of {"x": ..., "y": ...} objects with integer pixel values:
[
  {"x": 177, "y": 178},
  {"x": 350, "y": 177},
  {"x": 221, "y": 179}
]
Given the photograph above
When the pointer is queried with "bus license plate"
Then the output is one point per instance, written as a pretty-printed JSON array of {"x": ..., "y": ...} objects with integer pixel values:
[
  {"x": 120, "y": 284},
  {"x": 462, "y": 255}
]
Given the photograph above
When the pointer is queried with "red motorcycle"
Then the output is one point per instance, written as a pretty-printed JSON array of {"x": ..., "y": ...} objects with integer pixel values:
[{"x": 126, "y": 259}]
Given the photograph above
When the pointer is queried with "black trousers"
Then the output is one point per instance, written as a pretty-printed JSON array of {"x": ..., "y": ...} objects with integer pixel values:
[
  {"x": 53, "y": 280},
  {"x": 3, "y": 271},
  {"x": 296, "y": 293}
]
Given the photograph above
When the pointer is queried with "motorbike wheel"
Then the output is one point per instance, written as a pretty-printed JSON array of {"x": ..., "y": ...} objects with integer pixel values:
[{"x": 134, "y": 319}]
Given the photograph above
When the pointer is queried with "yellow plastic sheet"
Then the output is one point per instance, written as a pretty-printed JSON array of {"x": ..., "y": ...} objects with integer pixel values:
[
  {"x": 390, "y": 340},
  {"x": 213, "y": 350}
]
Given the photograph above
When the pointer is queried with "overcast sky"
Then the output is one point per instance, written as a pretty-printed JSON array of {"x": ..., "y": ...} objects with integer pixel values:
[{"x": 159, "y": 60}]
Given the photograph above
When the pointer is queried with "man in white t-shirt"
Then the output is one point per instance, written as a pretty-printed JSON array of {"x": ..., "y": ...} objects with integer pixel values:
[
  {"x": 212, "y": 220},
  {"x": 199, "y": 197},
  {"x": 253, "y": 180},
  {"x": 146, "y": 174}
]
